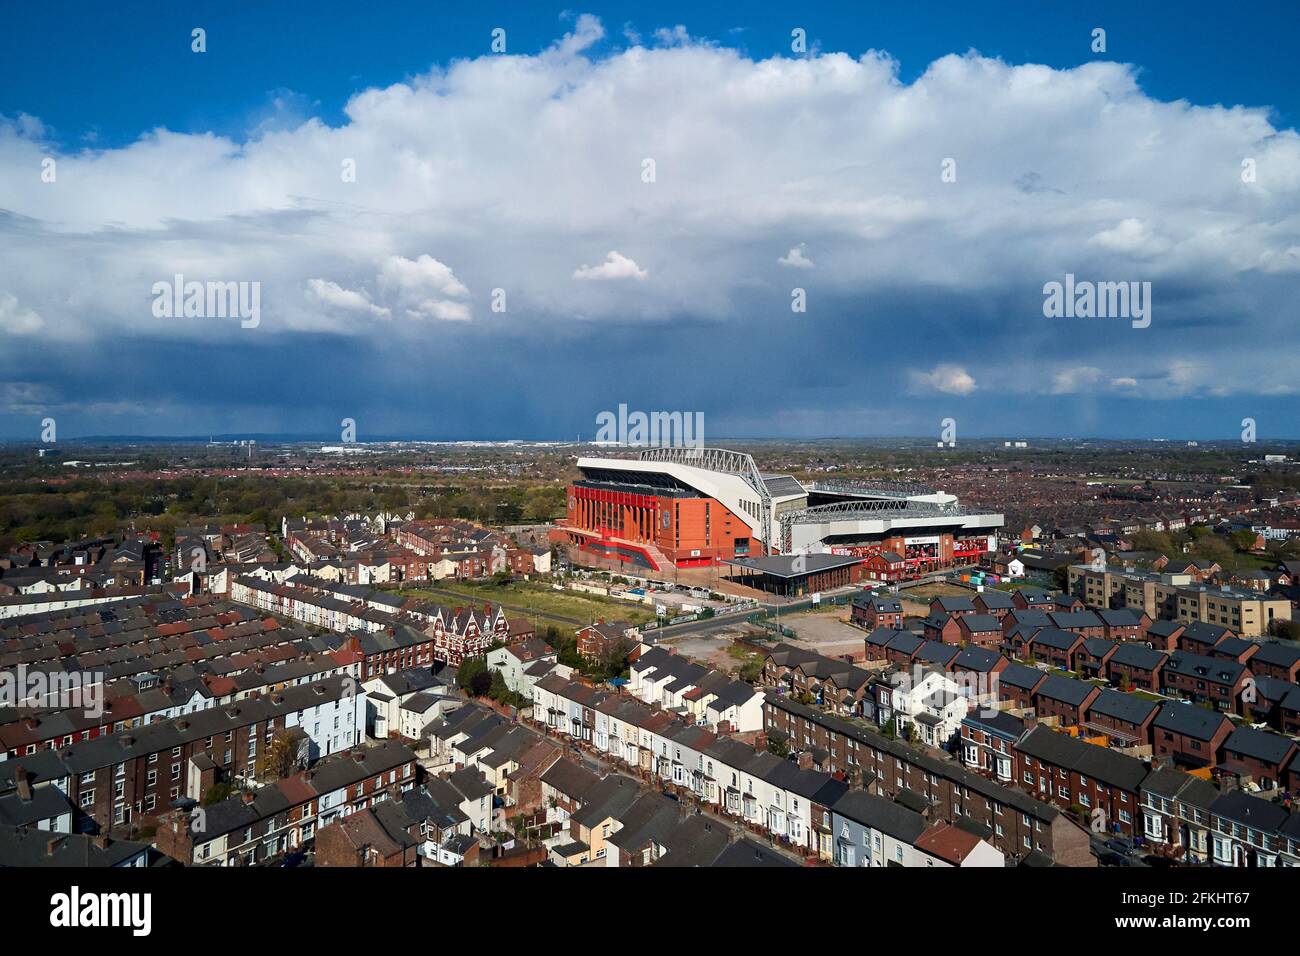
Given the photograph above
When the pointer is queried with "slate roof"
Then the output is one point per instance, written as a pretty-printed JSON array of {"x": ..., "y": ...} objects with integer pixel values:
[
  {"x": 1138, "y": 656},
  {"x": 1120, "y": 706},
  {"x": 1101, "y": 763},
  {"x": 1065, "y": 689},
  {"x": 1216, "y": 669},
  {"x": 1189, "y": 720},
  {"x": 1262, "y": 745},
  {"x": 881, "y": 813}
]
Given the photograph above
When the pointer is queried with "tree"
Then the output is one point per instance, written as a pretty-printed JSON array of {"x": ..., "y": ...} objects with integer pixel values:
[
  {"x": 470, "y": 671},
  {"x": 216, "y": 793},
  {"x": 280, "y": 759},
  {"x": 778, "y": 743},
  {"x": 497, "y": 688},
  {"x": 1287, "y": 630}
]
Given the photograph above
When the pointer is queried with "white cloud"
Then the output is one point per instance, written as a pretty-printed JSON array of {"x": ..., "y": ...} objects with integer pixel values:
[
  {"x": 615, "y": 266},
  {"x": 1130, "y": 237},
  {"x": 17, "y": 320},
  {"x": 795, "y": 258},
  {"x": 1068, "y": 381},
  {"x": 426, "y": 288},
  {"x": 947, "y": 378},
  {"x": 333, "y": 295},
  {"x": 515, "y": 168},
  {"x": 676, "y": 36}
]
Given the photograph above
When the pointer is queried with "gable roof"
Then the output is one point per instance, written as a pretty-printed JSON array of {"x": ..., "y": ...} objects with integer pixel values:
[{"x": 1189, "y": 720}]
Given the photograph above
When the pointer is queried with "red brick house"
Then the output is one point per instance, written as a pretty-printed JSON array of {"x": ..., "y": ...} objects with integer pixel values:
[
  {"x": 871, "y": 612},
  {"x": 1136, "y": 667},
  {"x": 1189, "y": 734},
  {"x": 982, "y": 630}
]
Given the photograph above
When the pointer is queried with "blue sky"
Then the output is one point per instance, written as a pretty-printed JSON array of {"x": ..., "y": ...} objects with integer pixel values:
[{"x": 523, "y": 173}]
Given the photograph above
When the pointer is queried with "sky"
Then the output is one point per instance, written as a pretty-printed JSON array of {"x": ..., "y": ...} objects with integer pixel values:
[{"x": 806, "y": 220}]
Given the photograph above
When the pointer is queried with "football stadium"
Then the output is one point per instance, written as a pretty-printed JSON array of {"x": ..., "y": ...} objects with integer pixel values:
[{"x": 696, "y": 507}]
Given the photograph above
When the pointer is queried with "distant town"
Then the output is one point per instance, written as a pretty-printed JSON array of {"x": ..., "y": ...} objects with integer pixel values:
[{"x": 810, "y": 654}]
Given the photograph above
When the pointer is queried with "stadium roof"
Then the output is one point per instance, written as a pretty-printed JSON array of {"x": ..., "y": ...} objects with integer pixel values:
[{"x": 794, "y": 565}]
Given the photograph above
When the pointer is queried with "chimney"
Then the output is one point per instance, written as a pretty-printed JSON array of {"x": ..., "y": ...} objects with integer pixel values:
[
  {"x": 805, "y": 759},
  {"x": 52, "y": 844},
  {"x": 247, "y": 796},
  {"x": 23, "y": 783},
  {"x": 101, "y": 840}
]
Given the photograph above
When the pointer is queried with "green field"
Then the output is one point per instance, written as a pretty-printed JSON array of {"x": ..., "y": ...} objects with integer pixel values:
[{"x": 562, "y": 607}]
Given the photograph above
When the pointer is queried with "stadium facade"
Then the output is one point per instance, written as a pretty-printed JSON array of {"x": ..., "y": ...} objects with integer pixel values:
[{"x": 689, "y": 507}]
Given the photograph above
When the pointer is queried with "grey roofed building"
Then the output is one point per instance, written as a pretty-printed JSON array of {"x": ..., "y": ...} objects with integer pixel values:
[
  {"x": 996, "y": 722},
  {"x": 1098, "y": 646},
  {"x": 935, "y": 622},
  {"x": 1169, "y": 783},
  {"x": 1066, "y": 620},
  {"x": 982, "y": 623},
  {"x": 1031, "y": 617},
  {"x": 1232, "y": 647},
  {"x": 1271, "y": 690},
  {"x": 21, "y": 847},
  {"x": 746, "y": 852},
  {"x": 937, "y": 652},
  {"x": 879, "y": 604},
  {"x": 947, "y": 769},
  {"x": 905, "y": 642},
  {"x": 1120, "y": 706},
  {"x": 1219, "y": 669},
  {"x": 978, "y": 659},
  {"x": 140, "y": 741},
  {"x": 1066, "y": 689},
  {"x": 1277, "y": 654},
  {"x": 1204, "y": 632},
  {"x": 794, "y": 565},
  {"x": 1101, "y": 763},
  {"x": 41, "y": 805},
  {"x": 470, "y": 783},
  {"x": 609, "y": 798},
  {"x": 956, "y": 605},
  {"x": 1189, "y": 720},
  {"x": 410, "y": 681},
  {"x": 696, "y": 841},
  {"x": 1260, "y": 745},
  {"x": 996, "y": 600},
  {"x": 437, "y": 801},
  {"x": 1138, "y": 655},
  {"x": 648, "y": 820},
  {"x": 1119, "y": 617},
  {"x": 1056, "y": 638},
  {"x": 1021, "y": 676},
  {"x": 570, "y": 778},
  {"x": 1163, "y": 628},
  {"x": 880, "y": 813},
  {"x": 422, "y": 702},
  {"x": 1249, "y": 811}
]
